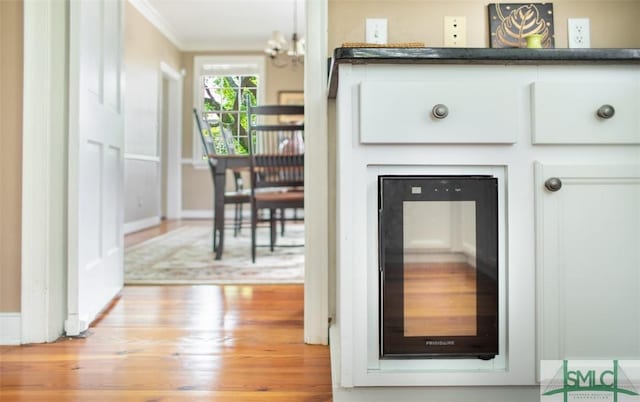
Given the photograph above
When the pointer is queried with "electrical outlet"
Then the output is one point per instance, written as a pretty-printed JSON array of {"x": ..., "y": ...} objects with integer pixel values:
[
  {"x": 376, "y": 30},
  {"x": 455, "y": 31},
  {"x": 578, "y": 33}
]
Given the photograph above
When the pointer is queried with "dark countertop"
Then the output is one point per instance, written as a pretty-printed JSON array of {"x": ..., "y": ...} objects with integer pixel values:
[{"x": 434, "y": 55}]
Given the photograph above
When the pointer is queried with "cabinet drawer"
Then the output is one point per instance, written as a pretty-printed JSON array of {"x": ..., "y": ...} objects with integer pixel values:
[
  {"x": 567, "y": 113},
  {"x": 402, "y": 112}
]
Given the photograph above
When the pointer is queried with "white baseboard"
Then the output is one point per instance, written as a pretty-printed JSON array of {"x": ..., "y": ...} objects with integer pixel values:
[
  {"x": 334, "y": 354},
  {"x": 134, "y": 226},
  {"x": 10, "y": 328}
]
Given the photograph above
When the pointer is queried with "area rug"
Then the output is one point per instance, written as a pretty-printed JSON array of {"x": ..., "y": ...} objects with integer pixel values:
[{"x": 184, "y": 256}]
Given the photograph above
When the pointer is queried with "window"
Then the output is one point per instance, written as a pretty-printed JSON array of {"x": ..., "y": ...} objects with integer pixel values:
[{"x": 222, "y": 86}]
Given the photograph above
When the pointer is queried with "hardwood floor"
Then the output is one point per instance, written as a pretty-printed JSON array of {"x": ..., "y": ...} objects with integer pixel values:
[{"x": 178, "y": 343}]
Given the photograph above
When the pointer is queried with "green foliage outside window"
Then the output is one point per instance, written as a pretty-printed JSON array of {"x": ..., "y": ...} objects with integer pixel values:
[{"x": 225, "y": 107}]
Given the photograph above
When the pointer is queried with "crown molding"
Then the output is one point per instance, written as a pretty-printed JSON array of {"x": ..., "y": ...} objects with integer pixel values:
[{"x": 152, "y": 15}]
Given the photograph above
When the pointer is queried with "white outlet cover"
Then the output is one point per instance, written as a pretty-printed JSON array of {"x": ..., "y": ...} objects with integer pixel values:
[
  {"x": 455, "y": 31},
  {"x": 578, "y": 33},
  {"x": 376, "y": 30}
]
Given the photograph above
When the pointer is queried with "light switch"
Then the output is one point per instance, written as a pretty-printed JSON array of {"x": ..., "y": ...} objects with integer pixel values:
[{"x": 376, "y": 30}]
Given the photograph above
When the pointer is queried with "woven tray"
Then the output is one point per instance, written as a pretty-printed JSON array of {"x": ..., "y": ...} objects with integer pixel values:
[{"x": 364, "y": 44}]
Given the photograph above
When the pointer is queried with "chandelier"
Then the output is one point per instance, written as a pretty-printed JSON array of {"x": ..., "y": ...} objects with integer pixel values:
[{"x": 280, "y": 51}]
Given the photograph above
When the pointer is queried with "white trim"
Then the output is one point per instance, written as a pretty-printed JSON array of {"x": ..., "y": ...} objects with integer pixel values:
[
  {"x": 173, "y": 194},
  {"x": 134, "y": 226},
  {"x": 169, "y": 71},
  {"x": 229, "y": 213},
  {"x": 141, "y": 157},
  {"x": 43, "y": 143},
  {"x": 316, "y": 280},
  {"x": 197, "y": 214},
  {"x": 197, "y": 165},
  {"x": 224, "y": 46},
  {"x": 256, "y": 66},
  {"x": 10, "y": 328},
  {"x": 73, "y": 322},
  {"x": 155, "y": 19}
]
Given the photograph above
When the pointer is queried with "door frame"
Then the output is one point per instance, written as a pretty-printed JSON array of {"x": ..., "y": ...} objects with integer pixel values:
[
  {"x": 173, "y": 191},
  {"x": 316, "y": 171},
  {"x": 44, "y": 206},
  {"x": 44, "y": 172}
]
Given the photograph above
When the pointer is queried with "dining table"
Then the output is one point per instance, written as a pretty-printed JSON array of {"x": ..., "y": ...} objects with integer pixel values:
[{"x": 222, "y": 164}]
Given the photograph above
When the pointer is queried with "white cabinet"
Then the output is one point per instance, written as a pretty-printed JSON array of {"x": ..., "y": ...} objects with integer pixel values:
[
  {"x": 588, "y": 238},
  {"x": 569, "y": 264}
]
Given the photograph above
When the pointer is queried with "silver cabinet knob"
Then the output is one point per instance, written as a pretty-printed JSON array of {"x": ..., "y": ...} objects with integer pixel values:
[
  {"x": 553, "y": 184},
  {"x": 440, "y": 111},
  {"x": 606, "y": 111}
]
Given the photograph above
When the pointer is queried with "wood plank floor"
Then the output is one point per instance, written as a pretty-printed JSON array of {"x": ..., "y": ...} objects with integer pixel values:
[{"x": 179, "y": 343}]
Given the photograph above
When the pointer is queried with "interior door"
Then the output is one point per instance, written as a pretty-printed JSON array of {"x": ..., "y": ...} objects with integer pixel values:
[{"x": 96, "y": 164}]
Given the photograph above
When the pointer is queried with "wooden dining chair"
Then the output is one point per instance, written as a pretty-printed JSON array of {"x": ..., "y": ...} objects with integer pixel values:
[
  {"x": 240, "y": 195},
  {"x": 277, "y": 166}
]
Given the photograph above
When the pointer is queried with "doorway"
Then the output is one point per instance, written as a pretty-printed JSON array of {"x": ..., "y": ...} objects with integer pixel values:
[
  {"x": 46, "y": 302},
  {"x": 170, "y": 132}
]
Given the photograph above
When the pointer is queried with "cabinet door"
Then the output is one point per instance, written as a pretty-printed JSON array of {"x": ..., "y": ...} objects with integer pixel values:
[{"x": 588, "y": 262}]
